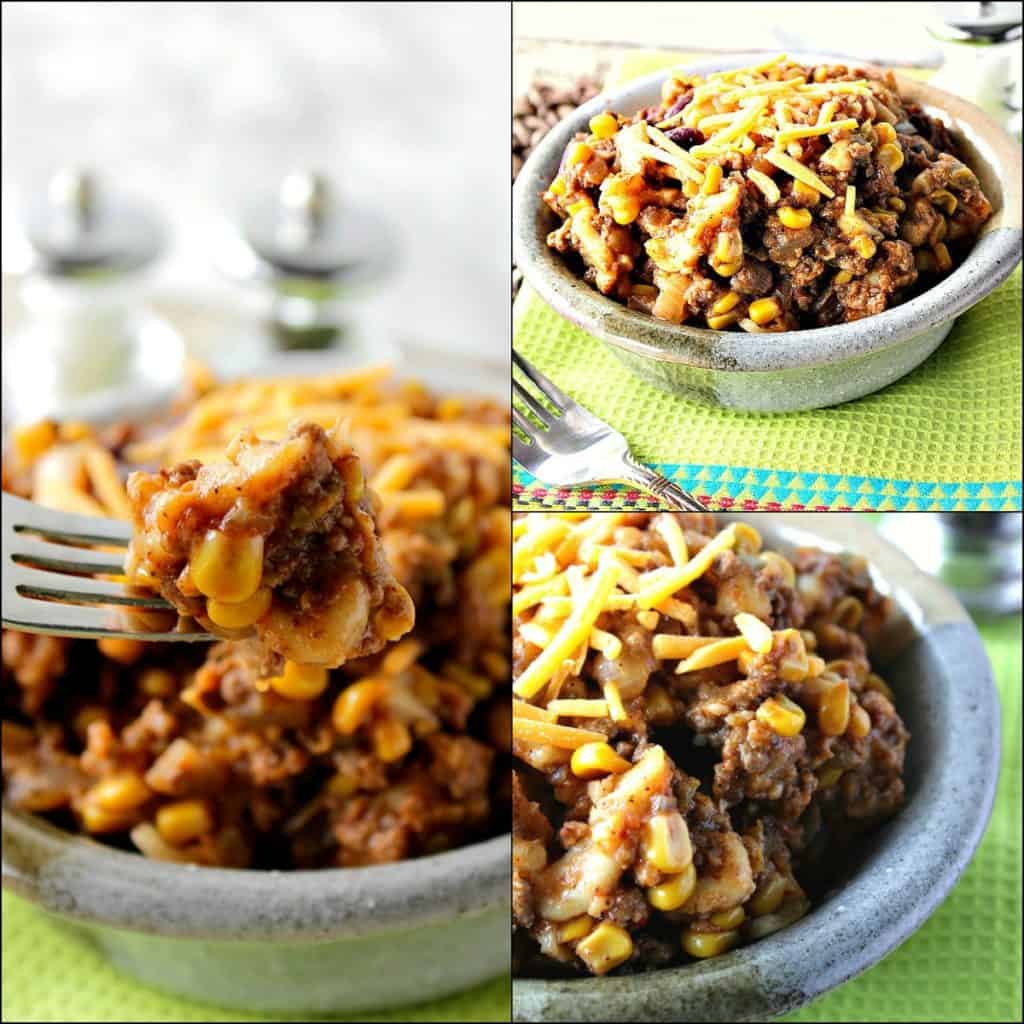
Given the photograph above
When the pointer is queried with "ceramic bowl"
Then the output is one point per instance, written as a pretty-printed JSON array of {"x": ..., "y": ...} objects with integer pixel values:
[
  {"x": 791, "y": 370},
  {"x": 310, "y": 942},
  {"x": 934, "y": 660}
]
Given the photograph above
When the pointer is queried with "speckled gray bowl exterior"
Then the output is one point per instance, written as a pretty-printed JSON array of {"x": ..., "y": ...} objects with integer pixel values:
[
  {"x": 934, "y": 660},
  {"x": 338, "y": 940},
  {"x": 792, "y": 370}
]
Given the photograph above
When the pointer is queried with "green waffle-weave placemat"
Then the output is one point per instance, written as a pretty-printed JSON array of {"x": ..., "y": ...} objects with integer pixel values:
[
  {"x": 48, "y": 975},
  {"x": 964, "y": 963},
  {"x": 947, "y": 436}
]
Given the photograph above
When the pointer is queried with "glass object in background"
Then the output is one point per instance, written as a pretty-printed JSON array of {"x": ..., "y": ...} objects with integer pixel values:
[
  {"x": 978, "y": 554},
  {"x": 308, "y": 251},
  {"x": 87, "y": 345},
  {"x": 981, "y": 56}
]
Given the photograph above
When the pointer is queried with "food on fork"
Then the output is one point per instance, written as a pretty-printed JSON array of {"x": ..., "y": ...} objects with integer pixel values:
[
  {"x": 769, "y": 198},
  {"x": 279, "y": 539},
  {"x": 699, "y": 735},
  {"x": 200, "y": 754}
]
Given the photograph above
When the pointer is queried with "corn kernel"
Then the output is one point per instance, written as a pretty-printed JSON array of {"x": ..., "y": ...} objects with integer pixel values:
[
  {"x": 31, "y": 440},
  {"x": 604, "y": 126},
  {"x": 727, "y": 270},
  {"x": 942, "y": 258},
  {"x": 843, "y": 277},
  {"x": 657, "y": 704},
  {"x": 98, "y": 819},
  {"x": 592, "y": 760},
  {"x": 794, "y": 218},
  {"x": 580, "y": 153},
  {"x": 809, "y": 196},
  {"x": 342, "y": 786},
  {"x": 727, "y": 920},
  {"x": 391, "y": 740},
  {"x": 183, "y": 821},
  {"x": 118, "y": 793},
  {"x": 864, "y": 246},
  {"x": 666, "y": 843},
  {"x": 944, "y": 200},
  {"x": 884, "y": 132},
  {"x": 356, "y": 703},
  {"x": 557, "y": 187},
  {"x": 690, "y": 188},
  {"x": 720, "y": 323},
  {"x": 834, "y": 708},
  {"x": 605, "y": 948},
  {"x": 625, "y": 209},
  {"x": 242, "y": 614},
  {"x": 768, "y": 897},
  {"x": 897, "y": 204},
  {"x": 860, "y": 722},
  {"x": 703, "y": 945},
  {"x": 577, "y": 928},
  {"x": 157, "y": 682},
  {"x": 300, "y": 682},
  {"x": 712, "y": 180},
  {"x": 782, "y": 716},
  {"x": 815, "y": 665},
  {"x": 673, "y": 893},
  {"x": 730, "y": 300},
  {"x": 121, "y": 649},
  {"x": 763, "y": 311},
  {"x": 793, "y": 663},
  {"x": 227, "y": 567},
  {"x": 963, "y": 177},
  {"x": 878, "y": 684},
  {"x": 781, "y": 564},
  {"x": 579, "y": 206},
  {"x": 890, "y": 155}
]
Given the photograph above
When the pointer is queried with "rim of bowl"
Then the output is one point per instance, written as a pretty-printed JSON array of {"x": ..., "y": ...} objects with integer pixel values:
[
  {"x": 824, "y": 951},
  {"x": 987, "y": 265},
  {"x": 77, "y": 877}
]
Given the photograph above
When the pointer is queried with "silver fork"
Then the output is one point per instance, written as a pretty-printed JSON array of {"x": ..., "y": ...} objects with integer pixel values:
[
  {"x": 572, "y": 446},
  {"x": 51, "y": 575}
]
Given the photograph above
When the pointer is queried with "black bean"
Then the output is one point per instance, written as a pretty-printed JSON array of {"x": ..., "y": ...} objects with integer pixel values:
[{"x": 685, "y": 137}]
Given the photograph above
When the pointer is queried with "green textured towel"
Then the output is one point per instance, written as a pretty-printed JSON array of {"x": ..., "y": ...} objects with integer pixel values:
[
  {"x": 964, "y": 963},
  {"x": 947, "y": 436}
]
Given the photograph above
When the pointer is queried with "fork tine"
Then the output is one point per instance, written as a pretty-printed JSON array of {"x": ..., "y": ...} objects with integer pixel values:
[
  {"x": 525, "y": 425},
  {"x": 52, "y": 586},
  {"x": 29, "y": 550},
  {"x": 551, "y": 391},
  {"x": 523, "y": 453},
  {"x": 21, "y": 517},
  {"x": 532, "y": 404},
  {"x": 90, "y": 621}
]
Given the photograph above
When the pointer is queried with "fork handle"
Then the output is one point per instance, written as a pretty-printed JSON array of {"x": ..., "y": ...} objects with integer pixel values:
[{"x": 662, "y": 488}]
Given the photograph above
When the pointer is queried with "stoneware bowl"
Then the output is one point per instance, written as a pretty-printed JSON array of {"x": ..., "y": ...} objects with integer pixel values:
[
  {"x": 337, "y": 940},
  {"x": 933, "y": 658},
  {"x": 794, "y": 369}
]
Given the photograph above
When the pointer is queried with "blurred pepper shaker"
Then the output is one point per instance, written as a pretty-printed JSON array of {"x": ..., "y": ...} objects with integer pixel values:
[
  {"x": 981, "y": 56},
  {"x": 86, "y": 346},
  {"x": 978, "y": 554},
  {"x": 309, "y": 252}
]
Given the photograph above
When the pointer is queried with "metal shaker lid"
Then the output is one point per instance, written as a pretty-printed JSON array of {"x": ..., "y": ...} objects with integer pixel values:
[
  {"x": 304, "y": 230},
  {"x": 78, "y": 226}
]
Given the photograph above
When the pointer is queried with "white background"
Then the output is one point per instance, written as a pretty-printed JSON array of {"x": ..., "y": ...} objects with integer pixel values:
[{"x": 199, "y": 104}]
